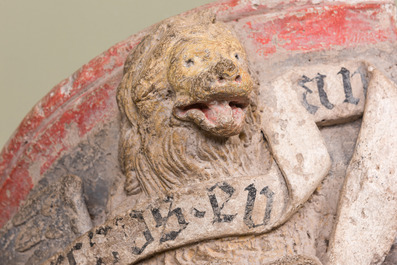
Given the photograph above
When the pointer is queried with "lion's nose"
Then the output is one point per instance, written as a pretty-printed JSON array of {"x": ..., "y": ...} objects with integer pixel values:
[{"x": 227, "y": 70}]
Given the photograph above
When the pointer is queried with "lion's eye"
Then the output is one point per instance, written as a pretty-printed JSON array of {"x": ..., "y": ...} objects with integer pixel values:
[
  {"x": 236, "y": 56},
  {"x": 189, "y": 62}
]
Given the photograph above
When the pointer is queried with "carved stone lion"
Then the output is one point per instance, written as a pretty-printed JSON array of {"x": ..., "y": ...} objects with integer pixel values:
[
  {"x": 187, "y": 100},
  {"x": 189, "y": 115},
  {"x": 225, "y": 169}
]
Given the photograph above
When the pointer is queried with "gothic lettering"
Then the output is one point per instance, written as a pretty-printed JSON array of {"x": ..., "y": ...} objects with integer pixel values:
[{"x": 218, "y": 216}]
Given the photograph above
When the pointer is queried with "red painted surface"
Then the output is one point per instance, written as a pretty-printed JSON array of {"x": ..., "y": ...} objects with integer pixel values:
[
  {"x": 14, "y": 190},
  {"x": 80, "y": 103},
  {"x": 321, "y": 28},
  {"x": 85, "y": 100}
]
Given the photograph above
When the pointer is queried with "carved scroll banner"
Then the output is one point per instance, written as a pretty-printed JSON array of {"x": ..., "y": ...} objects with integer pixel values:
[
  {"x": 331, "y": 93},
  {"x": 250, "y": 205},
  {"x": 295, "y": 141},
  {"x": 366, "y": 223},
  {"x": 242, "y": 132},
  {"x": 231, "y": 207}
]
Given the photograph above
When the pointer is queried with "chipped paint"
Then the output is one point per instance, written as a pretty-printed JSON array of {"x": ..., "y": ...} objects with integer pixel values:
[
  {"x": 321, "y": 27},
  {"x": 86, "y": 99}
]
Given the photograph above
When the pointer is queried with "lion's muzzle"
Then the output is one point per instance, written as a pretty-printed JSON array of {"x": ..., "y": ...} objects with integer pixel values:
[
  {"x": 212, "y": 85},
  {"x": 219, "y": 117}
]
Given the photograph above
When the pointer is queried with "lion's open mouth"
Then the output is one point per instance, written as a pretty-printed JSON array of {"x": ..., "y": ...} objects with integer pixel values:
[{"x": 219, "y": 117}]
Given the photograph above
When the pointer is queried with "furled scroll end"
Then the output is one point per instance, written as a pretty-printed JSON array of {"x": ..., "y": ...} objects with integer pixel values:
[
  {"x": 296, "y": 143},
  {"x": 311, "y": 166}
]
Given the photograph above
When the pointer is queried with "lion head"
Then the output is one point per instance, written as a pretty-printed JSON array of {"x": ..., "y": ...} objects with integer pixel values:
[{"x": 187, "y": 105}]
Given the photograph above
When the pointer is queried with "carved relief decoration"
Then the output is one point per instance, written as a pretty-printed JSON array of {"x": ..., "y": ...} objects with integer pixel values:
[{"x": 225, "y": 157}]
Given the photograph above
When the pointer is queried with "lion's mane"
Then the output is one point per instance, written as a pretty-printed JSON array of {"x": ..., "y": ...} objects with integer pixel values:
[{"x": 159, "y": 153}]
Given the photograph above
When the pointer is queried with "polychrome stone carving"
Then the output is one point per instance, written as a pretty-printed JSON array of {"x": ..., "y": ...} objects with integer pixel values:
[
  {"x": 183, "y": 81},
  {"x": 226, "y": 157}
]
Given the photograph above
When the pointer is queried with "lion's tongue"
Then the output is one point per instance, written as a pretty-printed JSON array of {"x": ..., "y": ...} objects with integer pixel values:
[{"x": 219, "y": 112}]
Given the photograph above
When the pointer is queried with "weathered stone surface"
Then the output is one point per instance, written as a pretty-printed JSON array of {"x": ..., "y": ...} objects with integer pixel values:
[
  {"x": 221, "y": 216},
  {"x": 331, "y": 93},
  {"x": 51, "y": 218},
  {"x": 167, "y": 161},
  {"x": 229, "y": 207},
  {"x": 294, "y": 140},
  {"x": 95, "y": 160},
  {"x": 306, "y": 233},
  {"x": 275, "y": 39},
  {"x": 367, "y": 217}
]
